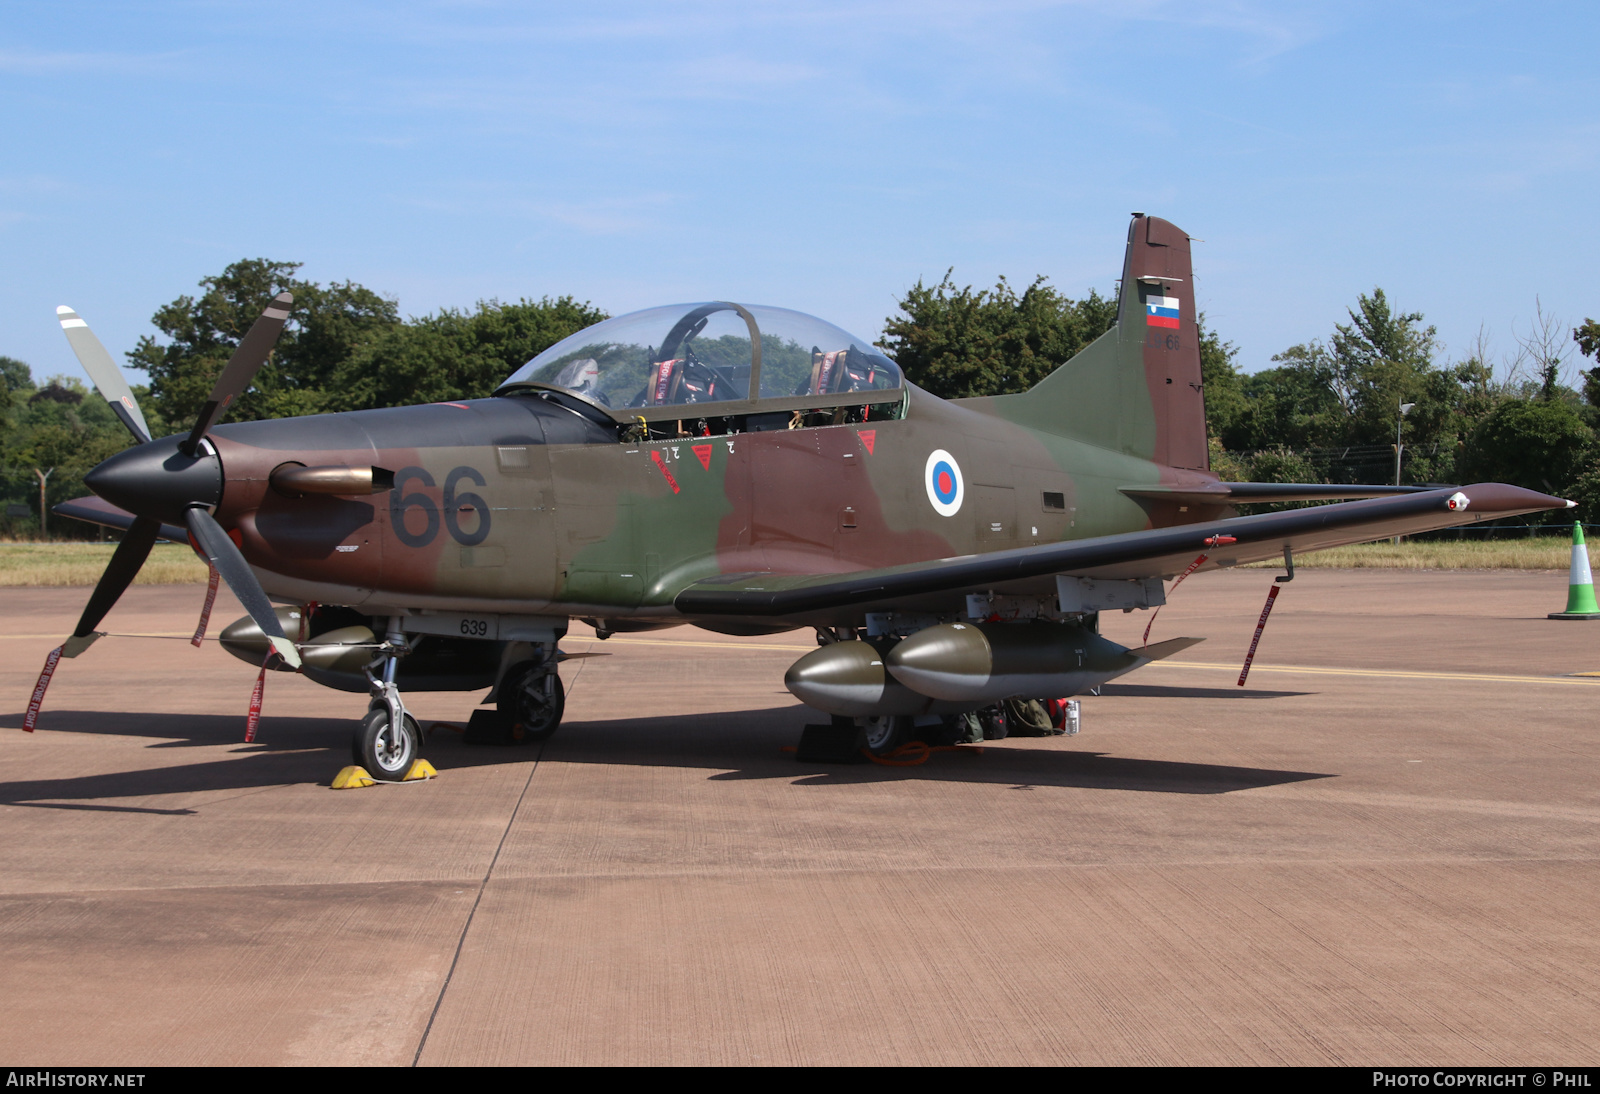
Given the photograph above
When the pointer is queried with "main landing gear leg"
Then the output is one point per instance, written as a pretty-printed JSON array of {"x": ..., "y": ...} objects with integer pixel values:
[
  {"x": 531, "y": 697},
  {"x": 388, "y": 739}
]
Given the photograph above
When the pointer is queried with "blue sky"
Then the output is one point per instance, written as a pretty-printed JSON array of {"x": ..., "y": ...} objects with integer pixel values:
[{"x": 815, "y": 156}]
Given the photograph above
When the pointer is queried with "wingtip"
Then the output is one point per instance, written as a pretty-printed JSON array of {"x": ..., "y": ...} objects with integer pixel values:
[
  {"x": 1499, "y": 497},
  {"x": 64, "y": 310}
]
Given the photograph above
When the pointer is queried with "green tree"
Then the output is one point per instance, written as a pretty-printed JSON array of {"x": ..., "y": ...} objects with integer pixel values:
[
  {"x": 325, "y": 327},
  {"x": 1537, "y": 444},
  {"x": 454, "y": 354},
  {"x": 1588, "y": 338},
  {"x": 63, "y": 426},
  {"x": 1294, "y": 405},
  {"x": 960, "y": 343},
  {"x": 16, "y": 379},
  {"x": 1281, "y": 464},
  {"x": 1585, "y": 490},
  {"x": 1346, "y": 395},
  {"x": 1221, "y": 383},
  {"x": 1381, "y": 359}
]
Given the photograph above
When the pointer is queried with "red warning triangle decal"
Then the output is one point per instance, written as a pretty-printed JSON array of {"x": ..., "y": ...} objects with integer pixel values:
[
  {"x": 868, "y": 436},
  {"x": 704, "y": 452}
]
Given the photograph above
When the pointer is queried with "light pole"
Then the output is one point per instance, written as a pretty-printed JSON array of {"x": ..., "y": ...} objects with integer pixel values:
[
  {"x": 44, "y": 529},
  {"x": 1405, "y": 408}
]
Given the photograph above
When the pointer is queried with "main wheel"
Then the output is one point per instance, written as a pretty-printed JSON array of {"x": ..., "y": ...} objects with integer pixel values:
[
  {"x": 886, "y": 732},
  {"x": 386, "y": 755},
  {"x": 533, "y": 701},
  {"x": 995, "y": 724}
]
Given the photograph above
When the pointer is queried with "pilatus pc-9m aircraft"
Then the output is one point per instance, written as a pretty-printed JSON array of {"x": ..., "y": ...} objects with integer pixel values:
[{"x": 745, "y": 469}]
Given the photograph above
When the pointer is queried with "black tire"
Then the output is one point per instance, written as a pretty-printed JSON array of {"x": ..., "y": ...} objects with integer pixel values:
[
  {"x": 386, "y": 758},
  {"x": 532, "y": 702},
  {"x": 994, "y": 722},
  {"x": 883, "y": 733}
]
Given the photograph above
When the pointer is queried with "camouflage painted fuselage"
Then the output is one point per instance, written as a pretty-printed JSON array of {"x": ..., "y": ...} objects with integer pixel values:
[
  {"x": 516, "y": 504},
  {"x": 495, "y": 509}
]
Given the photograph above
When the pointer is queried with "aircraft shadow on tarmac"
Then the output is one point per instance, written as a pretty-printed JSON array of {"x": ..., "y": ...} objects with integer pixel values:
[
  {"x": 734, "y": 745},
  {"x": 750, "y": 745},
  {"x": 296, "y": 750}
]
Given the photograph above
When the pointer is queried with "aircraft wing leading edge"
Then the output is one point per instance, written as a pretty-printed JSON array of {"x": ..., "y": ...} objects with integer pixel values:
[
  {"x": 93, "y": 510},
  {"x": 1156, "y": 552},
  {"x": 1255, "y": 493}
]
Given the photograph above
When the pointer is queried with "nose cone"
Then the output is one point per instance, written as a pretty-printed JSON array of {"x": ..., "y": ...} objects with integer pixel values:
[
  {"x": 157, "y": 480},
  {"x": 847, "y": 678},
  {"x": 837, "y": 675}
]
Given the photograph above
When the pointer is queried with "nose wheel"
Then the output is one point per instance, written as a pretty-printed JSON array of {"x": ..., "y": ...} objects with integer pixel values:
[
  {"x": 386, "y": 752},
  {"x": 388, "y": 739}
]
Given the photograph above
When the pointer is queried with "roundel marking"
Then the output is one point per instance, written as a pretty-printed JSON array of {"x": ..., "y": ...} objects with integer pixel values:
[{"x": 942, "y": 477}]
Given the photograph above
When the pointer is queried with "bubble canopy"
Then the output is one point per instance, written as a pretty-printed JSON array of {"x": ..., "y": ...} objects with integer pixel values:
[{"x": 708, "y": 353}]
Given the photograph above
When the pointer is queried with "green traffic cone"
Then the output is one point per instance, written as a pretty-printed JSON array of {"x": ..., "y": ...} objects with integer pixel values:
[{"x": 1580, "y": 585}]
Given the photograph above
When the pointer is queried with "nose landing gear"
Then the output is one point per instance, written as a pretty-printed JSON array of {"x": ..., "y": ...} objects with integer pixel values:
[
  {"x": 386, "y": 753},
  {"x": 388, "y": 740}
]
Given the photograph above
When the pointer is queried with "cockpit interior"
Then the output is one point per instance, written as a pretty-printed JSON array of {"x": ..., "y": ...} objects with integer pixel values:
[{"x": 688, "y": 370}]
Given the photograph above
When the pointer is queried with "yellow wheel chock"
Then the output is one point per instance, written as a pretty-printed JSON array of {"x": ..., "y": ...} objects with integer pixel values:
[{"x": 351, "y": 777}]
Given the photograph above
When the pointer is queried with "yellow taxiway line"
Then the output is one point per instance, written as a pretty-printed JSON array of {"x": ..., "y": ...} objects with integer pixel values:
[
  {"x": 119, "y": 634},
  {"x": 1389, "y": 674},
  {"x": 1311, "y": 670}
]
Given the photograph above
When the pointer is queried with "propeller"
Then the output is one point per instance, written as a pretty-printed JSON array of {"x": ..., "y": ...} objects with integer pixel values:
[
  {"x": 104, "y": 372},
  {"x": 241, "y": 368},
  {"x": 124, "y": 565},
  {"x": 172, "y": 480},
  {"x": 221, "y": 552}
]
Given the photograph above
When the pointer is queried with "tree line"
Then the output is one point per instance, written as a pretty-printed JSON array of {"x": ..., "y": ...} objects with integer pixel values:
[
  {"x": 345, "y": 347},
  {"x": 1325, "y": 411}
]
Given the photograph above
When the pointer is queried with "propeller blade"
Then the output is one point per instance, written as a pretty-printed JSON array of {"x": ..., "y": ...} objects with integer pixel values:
[
  {"x": 107, "y": 377},
  {"x": 120, "y": 572},
  {"x": 222, "y": 554},
  {"x": 241, "y": 368}
]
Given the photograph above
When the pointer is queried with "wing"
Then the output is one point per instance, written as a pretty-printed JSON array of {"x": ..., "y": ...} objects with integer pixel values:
[
  {"x": 1255, "y": 493},
  {"x": 99, "y": 511},
  {"x": 1157, "y": 552}
]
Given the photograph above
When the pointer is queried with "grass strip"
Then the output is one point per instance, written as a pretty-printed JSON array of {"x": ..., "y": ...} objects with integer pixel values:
[
  {"x": 57, "y": 564},
  {"x": 1543, "y": 553}
]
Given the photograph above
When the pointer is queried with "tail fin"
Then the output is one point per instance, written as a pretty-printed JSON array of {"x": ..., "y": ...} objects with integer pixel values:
[{"x": 1136, "y": 388}]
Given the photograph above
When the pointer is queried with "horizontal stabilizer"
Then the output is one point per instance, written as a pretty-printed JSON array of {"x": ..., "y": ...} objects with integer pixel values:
[{"x": 1159, "y": 650}]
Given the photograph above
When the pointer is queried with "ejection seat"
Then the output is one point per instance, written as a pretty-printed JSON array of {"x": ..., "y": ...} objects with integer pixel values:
[{"x": 840, "y": 372}]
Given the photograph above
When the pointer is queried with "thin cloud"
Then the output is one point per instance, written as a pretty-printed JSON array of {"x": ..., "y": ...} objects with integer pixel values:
[{"x": 39, "y": 63}]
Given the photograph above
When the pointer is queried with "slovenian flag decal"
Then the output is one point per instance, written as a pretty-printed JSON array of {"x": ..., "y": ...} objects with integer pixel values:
[{"x": 1161, "y": 311}]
